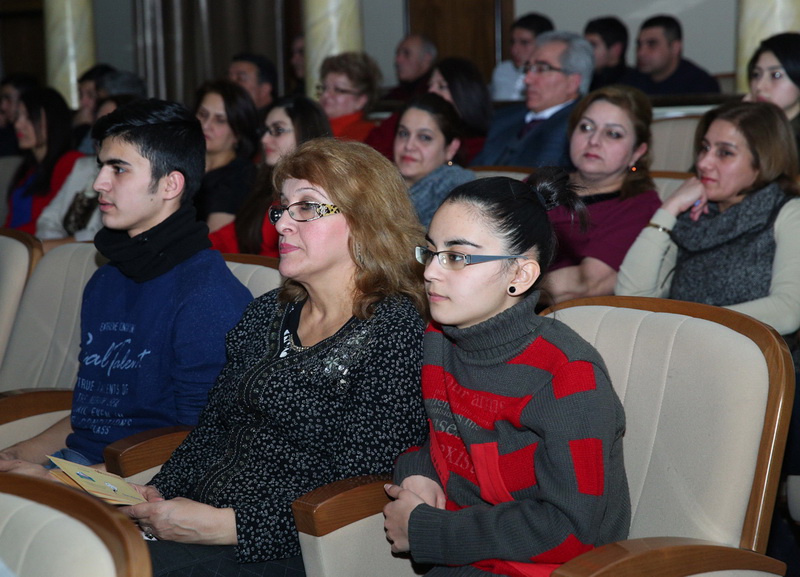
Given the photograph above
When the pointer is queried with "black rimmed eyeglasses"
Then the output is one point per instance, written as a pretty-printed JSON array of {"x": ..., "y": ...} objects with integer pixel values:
[{"x": 451, "y": 260}]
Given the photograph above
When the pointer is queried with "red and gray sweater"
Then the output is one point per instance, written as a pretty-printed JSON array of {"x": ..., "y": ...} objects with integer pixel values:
[{"x": 526, "y": 440}]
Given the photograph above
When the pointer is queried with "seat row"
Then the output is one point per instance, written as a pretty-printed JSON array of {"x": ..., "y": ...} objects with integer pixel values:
[{"x": 707, "y": 394}]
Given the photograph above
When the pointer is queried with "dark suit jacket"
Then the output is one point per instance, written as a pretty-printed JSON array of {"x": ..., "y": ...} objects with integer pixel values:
[{"x": 547, "y": 144}]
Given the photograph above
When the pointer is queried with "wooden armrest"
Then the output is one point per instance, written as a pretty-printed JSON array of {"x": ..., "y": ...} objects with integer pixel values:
[
  {"x": 340, "y": 503},
  {"x": 143, "y": 450},
  {"x": 666, "y": 557},
  {"x": 22, "y": 403}
]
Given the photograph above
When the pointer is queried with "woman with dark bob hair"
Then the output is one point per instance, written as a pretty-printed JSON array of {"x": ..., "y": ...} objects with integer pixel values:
[
  {"x": 350, "y": 86},
  {"x": 730, "y": 236},
  {"x": 43, "y": 126},
  {"x": 428, "y": 138},
  {"x": 521, "y": 408},
  {"x": 230, "y": 122},
  {"x": 610, "y": 148},
  {"x": 323, "y": 374},
  {"x": 459, "y": 81},
  {"x": 774, "y": 72},
  {"x": 290, "y": 122}
]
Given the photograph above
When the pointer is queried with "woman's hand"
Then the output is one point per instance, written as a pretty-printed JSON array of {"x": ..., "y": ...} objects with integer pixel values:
[
  {"x": 426, "y": 489},
  {"x": 397, "y": 514},
  {"x": 689, "y": 196},
  {"x": 182, "y": 519}
]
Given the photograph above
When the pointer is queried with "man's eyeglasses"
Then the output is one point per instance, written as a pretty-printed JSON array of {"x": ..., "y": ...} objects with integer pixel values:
[
  {"x": 322, "y": 89},
  {"x": 540, "y": 67},
  {"x": 303, "y": 211},
  {"x": 451, "y": 260},
  {"x": 275, "y": 130}
]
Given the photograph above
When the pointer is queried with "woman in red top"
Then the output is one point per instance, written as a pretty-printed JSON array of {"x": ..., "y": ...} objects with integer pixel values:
[
  {"x": 350, "y": 86},
  {"x": 43, "y": 126},
  {"x": 290, "y": 122}
]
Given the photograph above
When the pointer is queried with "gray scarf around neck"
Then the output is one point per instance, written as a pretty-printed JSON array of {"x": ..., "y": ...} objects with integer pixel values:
[{"x": 726, "y": 257}]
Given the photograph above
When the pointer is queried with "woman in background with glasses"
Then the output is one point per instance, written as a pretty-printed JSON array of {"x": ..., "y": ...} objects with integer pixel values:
[
  {"x": 291, "y": 121},
  {"x": 323, "y": 375},
  {"x": 350, "y": 86},
  {"x": 524, "y": 466}
]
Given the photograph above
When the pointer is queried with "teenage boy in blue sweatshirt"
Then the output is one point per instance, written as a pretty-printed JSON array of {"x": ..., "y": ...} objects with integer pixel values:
[{"x": 154, "y": 319}]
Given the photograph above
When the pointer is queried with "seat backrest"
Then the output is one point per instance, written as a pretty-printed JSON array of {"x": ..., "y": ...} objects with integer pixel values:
[
  {"x": 516, "y": 172},
  {"x": 19, "y": 253},
  {"x": 8, "y": 168},
  {"x": 707, "y": 395},
  {"x": 667, "y": 181},
  {"x": 47, "y": 528},
  {"x": 673, "y": 142},
  {"x": 45, "y": 339},
  {"x": 258, "y": 273}
]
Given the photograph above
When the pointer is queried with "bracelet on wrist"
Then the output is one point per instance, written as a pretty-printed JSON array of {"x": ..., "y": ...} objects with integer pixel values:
[{"x": 658, "y": 227}]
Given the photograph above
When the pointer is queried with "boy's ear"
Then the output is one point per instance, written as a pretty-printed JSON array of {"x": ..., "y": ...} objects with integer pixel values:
[{"x": 174, "y": 183}]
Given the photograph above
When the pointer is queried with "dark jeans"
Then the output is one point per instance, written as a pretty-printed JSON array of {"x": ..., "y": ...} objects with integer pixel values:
[{"x": 171, "y": 559}]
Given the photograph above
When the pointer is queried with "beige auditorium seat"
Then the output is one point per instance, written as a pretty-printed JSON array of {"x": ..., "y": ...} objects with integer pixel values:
[
  {"x": 19, "y": 253},
  {"x": 516, "y": 172},
  {"x": 707, "y": 394},
  {"x": 673, "y": 143},
  {"x": 8, "y": 168},
  {"x": 42, "y": 352},
  {"x": 667, "y": 181},
  {"x": 49, "y": 529}
]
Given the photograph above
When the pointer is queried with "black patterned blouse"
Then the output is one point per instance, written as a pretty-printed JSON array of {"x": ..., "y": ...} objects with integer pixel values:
[{"x": 278, "y": 425}]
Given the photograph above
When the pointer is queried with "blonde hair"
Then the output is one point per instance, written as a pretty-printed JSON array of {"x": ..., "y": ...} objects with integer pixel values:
[
  {"x": 383, "y": 224},
  {"x": 362, "y": 71}
]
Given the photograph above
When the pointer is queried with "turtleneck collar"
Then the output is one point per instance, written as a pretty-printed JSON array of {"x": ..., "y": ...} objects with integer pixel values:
[
  {"x": 155, "y": 251},
  {"x": 500, "y": 336}
]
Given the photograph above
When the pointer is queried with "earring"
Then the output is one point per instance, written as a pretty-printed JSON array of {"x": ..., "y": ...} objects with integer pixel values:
[
  {"x": 359, "y": 259},
  {"x": 449, "y": 163},
  {"x": 633, "y": 169},
  {"x": 512, "y": 289}
]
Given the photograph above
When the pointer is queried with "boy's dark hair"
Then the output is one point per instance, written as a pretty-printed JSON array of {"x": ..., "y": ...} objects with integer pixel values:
[
  {"x": 165, "y": 133},
  {"x": 95, "y": 72},
  {"x": 266, "y": 69},
  {"x": 612, "y": 30},
  {"x": 672, "y": 28},
  {"x": 21, "y": 81},
  {"x": 534, "y": 22}
]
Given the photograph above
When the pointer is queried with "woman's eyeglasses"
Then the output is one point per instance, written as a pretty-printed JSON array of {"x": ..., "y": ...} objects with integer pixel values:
[
  {"x": 451, "y": 260},
  {"x": 303, "y": 211},
  {"x": 322, "y": 89},
  {"x": 275, "y": 130}
]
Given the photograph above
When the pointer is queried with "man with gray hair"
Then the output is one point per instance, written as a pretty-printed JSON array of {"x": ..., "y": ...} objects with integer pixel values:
[
  {"x": 413, "y": 63},
  {"x": 535, "y": 134}
]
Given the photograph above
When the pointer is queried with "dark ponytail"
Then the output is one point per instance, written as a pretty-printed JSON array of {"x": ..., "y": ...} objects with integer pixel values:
[{"x": 516, "y": 211}]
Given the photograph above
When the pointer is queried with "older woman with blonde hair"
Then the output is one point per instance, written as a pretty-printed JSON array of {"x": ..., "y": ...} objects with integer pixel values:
[
  {"x": 323, "y": 374},
  {"x": 350, "y": 86},
  {"x": 610, "y": 149}
]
